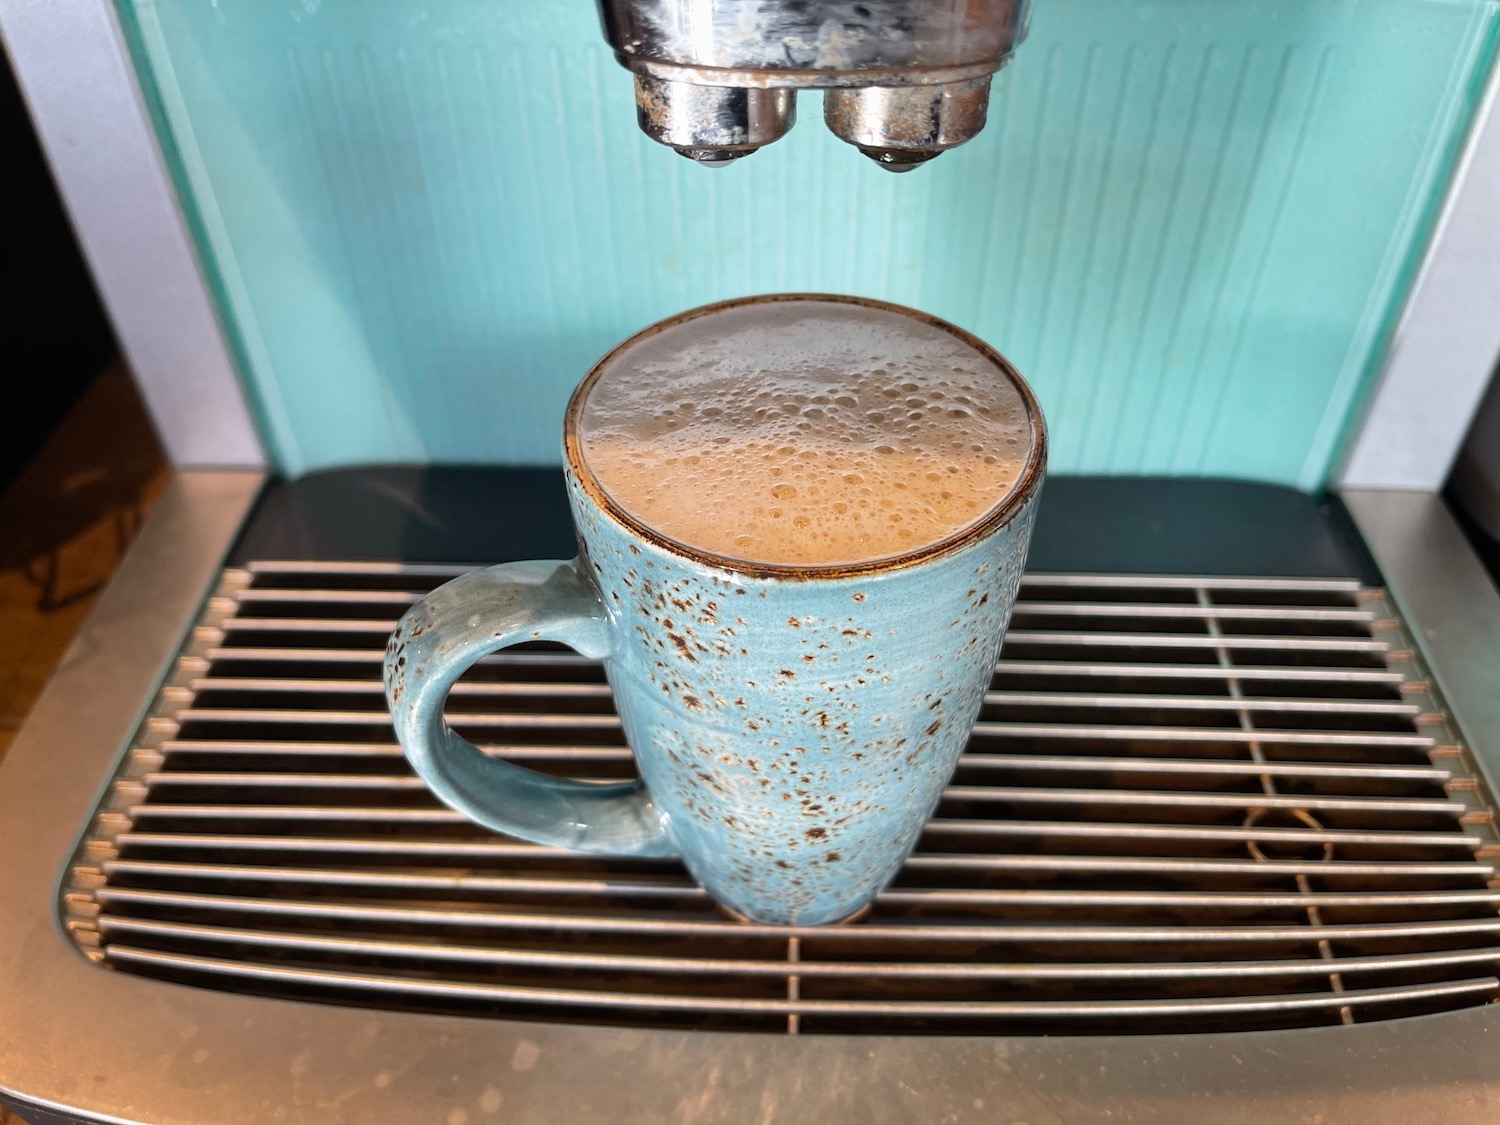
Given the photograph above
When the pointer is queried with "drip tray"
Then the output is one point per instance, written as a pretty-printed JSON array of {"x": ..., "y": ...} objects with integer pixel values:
[{"x": 1188, "y": 805}]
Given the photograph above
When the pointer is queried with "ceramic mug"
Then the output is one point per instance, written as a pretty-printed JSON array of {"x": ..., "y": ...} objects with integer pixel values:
[{"x": 800, "y": 730}]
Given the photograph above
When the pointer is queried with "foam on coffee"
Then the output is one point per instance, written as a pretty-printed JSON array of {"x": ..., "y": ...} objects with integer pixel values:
[{"x": 805, "y": 433}]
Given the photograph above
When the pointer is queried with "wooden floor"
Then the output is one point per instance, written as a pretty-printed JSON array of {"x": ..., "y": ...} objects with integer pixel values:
[{"x": 63, "y": 527}]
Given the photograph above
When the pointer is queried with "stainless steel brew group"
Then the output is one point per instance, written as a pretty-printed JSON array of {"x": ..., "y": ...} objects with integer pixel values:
[{"x": 902, "y": 80}]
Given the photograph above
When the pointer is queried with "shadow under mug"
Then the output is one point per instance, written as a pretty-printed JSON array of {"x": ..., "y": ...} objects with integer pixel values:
[{"x": 794, "y": 727}]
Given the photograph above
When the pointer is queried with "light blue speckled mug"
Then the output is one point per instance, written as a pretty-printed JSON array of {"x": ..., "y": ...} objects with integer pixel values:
[{"x": 794, "y": 726}]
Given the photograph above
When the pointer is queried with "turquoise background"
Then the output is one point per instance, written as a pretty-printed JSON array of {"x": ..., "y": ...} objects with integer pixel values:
[{"x": 1191, "y": 223}]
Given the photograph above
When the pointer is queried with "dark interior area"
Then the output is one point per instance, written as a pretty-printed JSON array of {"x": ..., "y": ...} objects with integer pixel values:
[{"x": 53, "y": 332}]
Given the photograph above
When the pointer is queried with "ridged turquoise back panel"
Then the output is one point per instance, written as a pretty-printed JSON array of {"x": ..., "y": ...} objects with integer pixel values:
[{"x": 1191, "y": 223}]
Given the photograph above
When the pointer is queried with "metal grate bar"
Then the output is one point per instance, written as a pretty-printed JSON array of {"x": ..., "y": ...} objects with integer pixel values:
[
  {"x": 978, "y": 761},
  {"x": 1192, "y": 612},
  {"x": 992, "y": 794},
  {"x": 503, "y": 720},
  {"x": 1189, "y": 804},
  {"x": 441, "y": 572},
  {"x": 678, "y": 887},
  {"x": 681, "y": 889},
  {"x": 1203, "y": 767},
  {"x": 1078, "y": 668},
  {"x": 1077, "y": 764},
  {"x": 382, "y": 627},
  {"x": 1289, "y": 644},
  {"x": 527, "y": 719},
  {"x": 941, "y": 862},
  {"x": 1070, "y": 700},
  {"x": 375, "y": 654},
  {"x": 296, "y": 812},
  {"x": 1195, "y": 734},
  {"x": 372, "y": 982},
  {"x": 1139, "y": 799},
  {"x": 1092, "y": 609},
  {"x": 374, "y": 687},
  {"x": 1244, "y": 834},
  {"x": 956, "y": 826},
  {"x": 1006, "y": 666},
  {"x": 704, "y": 927},
  {"x": 1212, "y": 583},
  {"x": 1074, "y": 700},
  {"x": 256, "y": 748},
  {"x": 339, "y": 781},
  {"x": 635, "y": 963}
]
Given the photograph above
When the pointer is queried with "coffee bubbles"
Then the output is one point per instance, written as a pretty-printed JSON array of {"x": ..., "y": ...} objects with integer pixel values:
[{"x": 805, "y": 433}]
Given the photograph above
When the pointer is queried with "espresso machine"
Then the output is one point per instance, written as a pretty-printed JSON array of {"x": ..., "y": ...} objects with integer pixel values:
[{"x": 1222, "y": 847}]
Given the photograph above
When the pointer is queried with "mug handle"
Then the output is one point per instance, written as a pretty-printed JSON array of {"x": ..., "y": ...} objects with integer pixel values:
[{"x": 451, "y": 630}]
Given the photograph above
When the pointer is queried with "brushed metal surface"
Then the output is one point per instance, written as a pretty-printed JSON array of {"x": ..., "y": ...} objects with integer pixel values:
[{"x": 818, "y": 44}]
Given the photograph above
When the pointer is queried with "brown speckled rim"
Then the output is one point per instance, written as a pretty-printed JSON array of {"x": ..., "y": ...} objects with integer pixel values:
[{"x": 1001, "y": 514}]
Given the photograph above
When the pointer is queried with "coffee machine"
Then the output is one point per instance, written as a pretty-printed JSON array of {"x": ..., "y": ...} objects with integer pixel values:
[{"x": 1222, "y": 847}]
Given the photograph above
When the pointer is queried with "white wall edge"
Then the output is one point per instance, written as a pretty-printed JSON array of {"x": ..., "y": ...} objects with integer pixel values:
[{"x": 1447, "y": 344}]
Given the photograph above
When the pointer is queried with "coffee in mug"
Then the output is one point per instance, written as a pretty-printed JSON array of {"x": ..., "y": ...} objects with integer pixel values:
[{"x": 804, "y": 433}]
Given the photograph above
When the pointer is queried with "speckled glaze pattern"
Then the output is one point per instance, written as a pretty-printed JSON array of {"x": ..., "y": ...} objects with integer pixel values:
[
  {"x": 793, "y": 729},
  {"x": 794, "y": 736}
]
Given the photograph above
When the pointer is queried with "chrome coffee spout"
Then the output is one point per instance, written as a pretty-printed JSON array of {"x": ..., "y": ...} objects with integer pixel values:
[{"x": 904, "y": 80}]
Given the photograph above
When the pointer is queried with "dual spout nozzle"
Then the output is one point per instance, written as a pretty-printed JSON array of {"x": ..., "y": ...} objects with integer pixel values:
[{"x": 899, "y": 127}]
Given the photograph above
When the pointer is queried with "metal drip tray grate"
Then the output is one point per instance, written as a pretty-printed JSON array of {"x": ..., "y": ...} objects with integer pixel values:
[{"x": 1188, "y": 805}]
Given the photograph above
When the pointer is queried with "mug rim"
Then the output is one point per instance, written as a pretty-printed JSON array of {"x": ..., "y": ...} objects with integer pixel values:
[{"x": 1021, "y": 491}]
